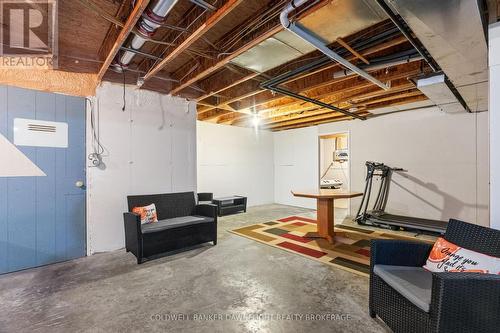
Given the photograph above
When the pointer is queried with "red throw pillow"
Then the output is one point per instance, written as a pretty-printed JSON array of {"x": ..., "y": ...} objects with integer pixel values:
[
  {"x": 448, "y": 257},
  {"x": 147, "y": 213}
]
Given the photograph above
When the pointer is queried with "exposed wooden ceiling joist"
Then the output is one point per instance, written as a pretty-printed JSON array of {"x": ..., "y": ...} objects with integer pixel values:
[
  {"x": 298, "y": 111},
  {"x": 321, "y": 77},
  {"x": 209, "y": 66},
  {"x": 257, "y": 36},
  {"x": 198, "y": 63},
  {"x": 334, "y": 117},
  {"x": 139, "y": 8},
  {"x": 331, "y": 93},
  {"x": 320, "y": 114},
  {"x": 344, "y": 94},
  {"x": 228, "y": 80},
  {"x": 194, "y": 36},
  {"x": 386, "y": 75}
]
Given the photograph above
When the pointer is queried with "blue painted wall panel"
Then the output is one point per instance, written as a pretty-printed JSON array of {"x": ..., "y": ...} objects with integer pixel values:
[
  {"x": 45, "y": 186},
  {"x": 75, "y": 170},
  {"x": 42, "y": 219},
  {"x": 75, "y": 212},
  {"x": 60, "y": 222},
  {"x": 21, "y": 191},
  {"x": 4, "y": 230}
]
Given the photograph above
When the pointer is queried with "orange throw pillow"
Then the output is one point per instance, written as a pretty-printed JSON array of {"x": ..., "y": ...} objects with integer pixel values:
[
  {"x": 147, "y": 213},
  {"x": 448, "y": 257}
]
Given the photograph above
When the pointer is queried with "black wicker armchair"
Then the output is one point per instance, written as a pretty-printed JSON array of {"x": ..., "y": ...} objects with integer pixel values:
[{"x": 410, "y": 299}]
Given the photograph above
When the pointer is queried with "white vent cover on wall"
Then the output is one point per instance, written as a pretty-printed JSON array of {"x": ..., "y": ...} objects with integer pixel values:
[{"x": 39, "y": 133}]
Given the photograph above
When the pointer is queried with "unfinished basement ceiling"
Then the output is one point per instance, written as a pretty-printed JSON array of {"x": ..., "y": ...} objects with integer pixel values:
[
  {"x": 336, "y": 19},
  {"x": 453, "y": 32},
  {"x": 220, "y": 56},
  {"x": 272, "y": 52}
]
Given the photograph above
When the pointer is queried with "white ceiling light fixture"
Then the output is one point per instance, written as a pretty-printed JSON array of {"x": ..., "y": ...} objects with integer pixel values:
[
  {"x": 255, "y": 115},
  {"x": 256, "y": 120}
]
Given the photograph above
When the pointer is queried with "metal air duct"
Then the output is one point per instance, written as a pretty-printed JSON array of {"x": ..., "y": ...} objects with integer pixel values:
[
  {"x": 309, "y": 37},
  {"x": 453, "y": 32},
  {"x": 154, "y": 16},
  {"x": 439, "y": 90}
]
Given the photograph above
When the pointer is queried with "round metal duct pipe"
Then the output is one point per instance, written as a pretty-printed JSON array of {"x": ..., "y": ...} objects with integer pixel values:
[{"x": 154, "y": 16}]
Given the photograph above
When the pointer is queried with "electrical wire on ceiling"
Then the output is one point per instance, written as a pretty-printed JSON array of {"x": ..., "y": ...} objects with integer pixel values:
[
  {"x": 178, "y": 36},
  {"x": 259, "y": 21}
]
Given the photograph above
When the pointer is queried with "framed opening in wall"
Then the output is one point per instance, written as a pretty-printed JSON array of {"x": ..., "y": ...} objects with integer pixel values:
[{"x": 334, "y": 168}]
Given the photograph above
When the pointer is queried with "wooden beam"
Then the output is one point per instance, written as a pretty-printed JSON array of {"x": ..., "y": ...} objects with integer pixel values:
[
  {"x": 321, "y": 77},
  {"x": 411, "y": 93},
  {"x": 333, "y": 119},
  {"x": 247, "y": 90},
  {"x": 326, "y": 113},
  {"x": 341, "y": 100},
  {"x": 139, "y": 8},
  {"x": 396, "y": 75},
  {"x": 223, "y": 87},
  {"x": 350, "y": 96},
  {"x": 195, "y": 36},
  {"x": 263, "y": 32},
  {"x": 223, "y": 107},
  {"x": 332, "y": 116},
  {"x": 230, "y": 118},
  {"x": 318, "y": 78},
  {"x": 68, "y": 83},
  {"x": 332, "y": 90},
  {"x": 353, "y": 51},
  {"x": 181, "y": 20},
  {"x": 213, "y": 114},
  {"x": 339, "y": 95},
  {"x": 114, "y": 29},
  {"x": 207, "y": 70}
]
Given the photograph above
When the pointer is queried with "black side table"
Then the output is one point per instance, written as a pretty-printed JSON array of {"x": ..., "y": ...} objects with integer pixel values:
[{"x": 230, "y": 205}]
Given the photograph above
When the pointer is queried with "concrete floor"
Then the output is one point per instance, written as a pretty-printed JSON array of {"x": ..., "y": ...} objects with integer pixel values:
[{"x": 240, "y": 277}]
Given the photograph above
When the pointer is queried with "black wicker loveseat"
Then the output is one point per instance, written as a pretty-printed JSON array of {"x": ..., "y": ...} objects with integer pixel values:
[
  {"x": 181, "y": 223},
  {"x": 410, "y": 299}
]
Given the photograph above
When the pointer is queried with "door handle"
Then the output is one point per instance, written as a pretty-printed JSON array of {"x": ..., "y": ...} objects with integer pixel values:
[{"x": 80, "y": 184}]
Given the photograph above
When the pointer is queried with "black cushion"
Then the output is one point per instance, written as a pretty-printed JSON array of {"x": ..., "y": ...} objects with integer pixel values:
[
  {"x": 168, "y": 205},
  {"x": 176, "y": 222}
]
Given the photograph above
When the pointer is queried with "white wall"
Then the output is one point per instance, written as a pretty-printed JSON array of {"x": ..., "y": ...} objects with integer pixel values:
[
  {"x": 296, "y": 165},
  {"x": 235, "y": 161},
  {"x": 150, "y": 148},
  {"x": 494, "y": 114},
  {"x": 446, "y": 156}
]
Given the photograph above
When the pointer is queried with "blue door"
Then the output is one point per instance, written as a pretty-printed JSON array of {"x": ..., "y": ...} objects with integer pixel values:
[{"x": 42, "y": 219}]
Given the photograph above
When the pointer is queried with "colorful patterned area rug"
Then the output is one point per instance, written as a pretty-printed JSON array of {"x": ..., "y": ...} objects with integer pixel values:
[{"x": 351, "y": 250}]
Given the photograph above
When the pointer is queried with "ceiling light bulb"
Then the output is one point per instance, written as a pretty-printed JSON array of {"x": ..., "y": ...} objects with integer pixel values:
[
  {"x": 256, "y": 120},
  {"x": 140, "y": 81}
]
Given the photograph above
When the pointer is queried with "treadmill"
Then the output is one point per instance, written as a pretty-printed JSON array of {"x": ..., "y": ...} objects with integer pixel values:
[{"x": 379, "y": 217}]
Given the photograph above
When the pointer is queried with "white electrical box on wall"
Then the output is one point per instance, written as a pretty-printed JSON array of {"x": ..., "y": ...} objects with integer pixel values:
[
  {"x": 341, "y": 155},
  {"x": 39, "y": 133}
]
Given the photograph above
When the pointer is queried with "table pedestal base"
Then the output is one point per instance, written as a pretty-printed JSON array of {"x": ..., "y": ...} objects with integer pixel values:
[
  {"x": 316, "y": 235},
  {"x": 324, "y": 220}
]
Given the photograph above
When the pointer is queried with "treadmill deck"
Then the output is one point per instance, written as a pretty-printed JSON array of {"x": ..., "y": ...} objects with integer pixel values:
[{"x": 410, "y": 222}]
